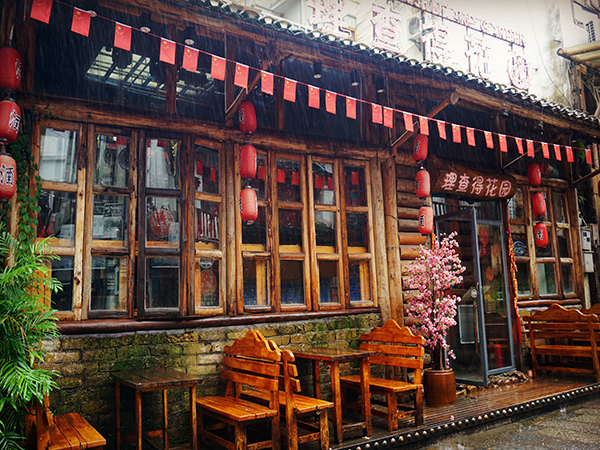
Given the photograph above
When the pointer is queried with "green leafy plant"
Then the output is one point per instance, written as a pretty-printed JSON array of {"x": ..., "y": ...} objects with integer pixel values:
[{"x": 25, "y": 321}]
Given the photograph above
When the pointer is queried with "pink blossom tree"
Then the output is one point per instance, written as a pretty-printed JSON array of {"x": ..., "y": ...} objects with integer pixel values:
[{"x": 433, "y": 307}]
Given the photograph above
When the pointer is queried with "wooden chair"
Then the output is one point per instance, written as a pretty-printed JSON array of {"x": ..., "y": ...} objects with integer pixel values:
[
  {"x": 63, "y": 432},
  {"x": 250, "y": 362},
  {"x": 396, "y": 346}
]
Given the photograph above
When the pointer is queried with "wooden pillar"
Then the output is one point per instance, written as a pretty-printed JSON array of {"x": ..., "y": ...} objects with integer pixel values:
[{"x": 229, "y": 250}]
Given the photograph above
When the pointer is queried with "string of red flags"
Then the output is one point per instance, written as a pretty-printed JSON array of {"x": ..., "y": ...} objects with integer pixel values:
[{"x": 41, "y": 10}]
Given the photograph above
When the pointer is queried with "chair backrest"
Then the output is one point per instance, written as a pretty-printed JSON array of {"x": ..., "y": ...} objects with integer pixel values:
[{"x": 395, "y": 346}]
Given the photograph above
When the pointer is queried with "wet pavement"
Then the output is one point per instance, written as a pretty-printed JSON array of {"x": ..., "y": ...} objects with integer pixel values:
[{"x": 572, "y": 427}]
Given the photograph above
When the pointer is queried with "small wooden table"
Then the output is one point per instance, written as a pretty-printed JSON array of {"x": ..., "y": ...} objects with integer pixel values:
[
  {"x": 154, "y": 380},
  {"x": 333, "y": 357}
]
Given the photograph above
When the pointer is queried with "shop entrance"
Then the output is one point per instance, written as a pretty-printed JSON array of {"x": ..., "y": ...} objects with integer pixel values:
[{"x": 482, "y": 337}]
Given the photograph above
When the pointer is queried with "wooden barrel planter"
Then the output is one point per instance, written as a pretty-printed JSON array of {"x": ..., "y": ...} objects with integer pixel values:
[{"x": 440, "y": 387}]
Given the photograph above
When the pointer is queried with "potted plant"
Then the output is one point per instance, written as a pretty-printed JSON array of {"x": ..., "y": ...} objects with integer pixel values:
[
  {"x": 433, "y": 309},
  {"x": 25, "y": 320}
]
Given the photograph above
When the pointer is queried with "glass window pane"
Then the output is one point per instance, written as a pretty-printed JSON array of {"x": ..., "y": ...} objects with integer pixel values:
[
  {"x": 519, "y": 237},
  {"x": 62, "y": 270},
  {"x": 546, "y": 278},
  {"x": 562, "y": 235},
  {"x": 329, "y": 286},
  {"x": 112, "y": 161},
  {"x": 566, "y": 278},
  {"x": 356, "y": 224},
  {"x": 256, "y": 279},
  {"x": 57, "y": 215},
  {"x": 58, "y": 155},
  {"x": 207, "y": 222},
  {"x": 257, "y": 232},
  {"x": 325, "y": 229},
  {"x": 207, "y": 282},
  {"x": 292, "y": 282},
  {"x": 109, "y": 283},
  {"x": 288, "y": 180},
  {"x": 162, "y": 220},
  {"x": 206, "y": 175},
  {"x": 258, "y": 183},
  {"x": 162, "y": 164},
  {"x": 323, "y": 183},
  {"x": 290, "y": 227},
  {"x": 515, "y": 206},
  {"x": 355, "y": 188},
  {"x": 110, "y": 218},
  {"x": 547, "y": 251},
  {"x": 558, "y": 201},
  {"x": 162, "y": 274},
  {"x": 524, "y": 287},
  {"x": 360, "y": 288}
]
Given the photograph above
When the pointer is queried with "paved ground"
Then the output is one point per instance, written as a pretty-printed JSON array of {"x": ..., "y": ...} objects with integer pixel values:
[{"x": 575, "y": 427}]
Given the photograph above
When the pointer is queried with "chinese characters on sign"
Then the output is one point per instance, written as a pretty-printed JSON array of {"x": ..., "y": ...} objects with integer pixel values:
[
  {"x": 7, "y": 175},
  {"x": 330, "y": 17},
  {"x": 469, "y": 183}
]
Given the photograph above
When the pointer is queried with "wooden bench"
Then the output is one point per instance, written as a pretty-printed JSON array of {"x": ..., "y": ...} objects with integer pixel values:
[
  {"x": 569, "y": 343},
  {"x": 396, "y": 346},
  {"x": 250, "y": 362},
  {"x": 595, "y": 309},
  {"x": 63, "y": 432}
]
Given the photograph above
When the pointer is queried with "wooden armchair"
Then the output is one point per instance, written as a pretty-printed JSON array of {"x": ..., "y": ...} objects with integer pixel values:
[{"x": 396, "y": 346}]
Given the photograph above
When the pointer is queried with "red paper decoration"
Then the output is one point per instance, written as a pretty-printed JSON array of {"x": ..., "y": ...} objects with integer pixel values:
[
  {"x": 10, "y": 118},
  {"x": 11, "y": 68},
  {"x": 8, "y": 177},
  {"x": 540, "y": 233},
  {"x": 420, "y": 148},
  {"x": 539, "y": 204},
  {"x": 248, "y": 205},
  {"x": 425, "y": 219},
  {"x": 248, "y": 161},
  {"x": 247, "y": 118},
  {"x": 535, "y": 174},
  {"x": 423, "y": 184}
]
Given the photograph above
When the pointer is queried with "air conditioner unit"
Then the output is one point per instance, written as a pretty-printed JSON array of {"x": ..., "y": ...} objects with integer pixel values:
[{"x": 415, "y": 30}]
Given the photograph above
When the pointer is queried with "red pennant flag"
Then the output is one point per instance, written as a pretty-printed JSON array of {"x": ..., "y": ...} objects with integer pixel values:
[
  {"x": 519, "y": 142},
  {"x": 295, "y": 178},
  {"x": 530, "y": 151},
  {"x": 122, "y": 36},
  {"x": 502, "y": 140},
  {"x": 289, "y": 90},
  {"x": 545, "y": 150},
  {"x": 313, "y": 97},
  {"x": 388, "y": 117},
  {"x": 569, "y": 154},
  {"x": 217, "y": 68},
  {"x": 408, "y": 123},
  {"x": 441, "y": 129},
  {"x": 557, "y": 152},
  {"x": 81, "y": 22},
  {"x": 266, "y": 82},
  {"x": 281, "y": 175},
  {"x": 354, "y": 178},
  {"x": 424, "y": 125},
  {"x": 41, "y": 9},
  {"x": 471, "y": 137},
  {"x": 456, "y": 133},
  {"x": 190, "y": 58},
  {"x": 241, "y": 75},
  {"x": 376, "y": 113},
  {"x": 330, "y": 100},
  {"x": 167, "y": 51},
  {"x": 489, "y": 139},
  {"x": 351, "y": 108},
  {"x": 588, "y": 156}
]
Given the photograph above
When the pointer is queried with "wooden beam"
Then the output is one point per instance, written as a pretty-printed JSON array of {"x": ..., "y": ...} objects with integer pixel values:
[{"x": 232, "y": 109}]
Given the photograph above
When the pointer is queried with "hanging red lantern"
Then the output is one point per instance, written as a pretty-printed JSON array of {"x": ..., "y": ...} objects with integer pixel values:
[
  {"x": 8, "y": 176},
  {"x": 247, "y": 118},
  {"x": 10, "y": 118},
  {"x": 420, "y": 148},
  {"x": 248, "y": 205},
  {"x": 425, "y": 220},
  {"x": 247, "y": 161},
  {"x": 535, "y": 174},
  {"x": 11, "y": 68},
  {"x": 423, "y": 184},
  {"x": 540, "y": 232},
  {"x": 539, "y": 204}
]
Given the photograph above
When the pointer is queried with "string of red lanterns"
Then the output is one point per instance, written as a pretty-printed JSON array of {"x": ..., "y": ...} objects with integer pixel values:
[
  {"x": 248, "y": 163},
  {"x": 540, "y": 231},
  {"x": 423, "y": 184}
]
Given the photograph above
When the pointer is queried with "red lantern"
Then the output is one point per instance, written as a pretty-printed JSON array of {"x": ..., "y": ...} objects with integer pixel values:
[
  {"x": 247, "y": 161},
  {"x": 540, "y": 233},
  {"x": 10, "y": 118},
  {"x": 11, "y": 68},
  {"x": 535, "y": 174},
  {"x": 423, "y": 184},
  {"x": 420, "y": 148},
  {"x": 425, "y": 219},
  {"x": 8, "y": 177},
  {"x": 248, "y": 205},
  {"x": 539, "y": 204},
  {"x": 247, "y": 118}
]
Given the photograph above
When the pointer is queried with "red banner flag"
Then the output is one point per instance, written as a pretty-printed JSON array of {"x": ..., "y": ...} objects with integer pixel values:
[
  {"x": 441, "y": 129},
  {"x": 122, "y": 36},
  {"x": 281, "y": 175},
  {"x": 530, "y": 151},
  {"x": 377, "y": 114},
  {"x": 489, "y": 139},
  {"x": 217, "y": 68},
  {"x": 266, "y": 82},
  {"x": 471, "y": 137},
  {"x": 424, "y": 125},
  {"x": 388, "y": 117},
  {"x": 314, "y": 97},
  {"x": 354, "y": 178},
  {"x": 502, "y": 140},
  {"x": 569, "y": 154},
  {"x": 519, "y": 142},
  {"x": 330, "y": 100},
  {"x": 329, "y": 184},
  {"x": 81, "y": 22},
  {"x": 351, "y": 108},
  {"x": 545, "y": 150},
  {"x": 295, "y": 178},
  {"x": 167, "y": 51},
  {"x": 213, "y": 174},
  {"x": 241, "y": 75},
  {"x": 557, "y": 152},
  {"x": 289, "y": 90},
  {"x": 588, "y": 156},
  {"x": 319, "y": 181},
  {"x": 456, "y": 133},
  {"x": 41, "y": 9},
  {"x": 408, "y": 122},
  {"x": 190, "y": 58},
  {"x": 261, "y": 172}
]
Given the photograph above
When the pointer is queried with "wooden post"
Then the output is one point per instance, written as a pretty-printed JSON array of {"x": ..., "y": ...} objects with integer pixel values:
[{"x": 231, "y": 254}]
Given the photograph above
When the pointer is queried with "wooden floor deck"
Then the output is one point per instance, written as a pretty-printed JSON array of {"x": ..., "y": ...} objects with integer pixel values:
[{"x": 477, "y": 410}]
